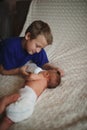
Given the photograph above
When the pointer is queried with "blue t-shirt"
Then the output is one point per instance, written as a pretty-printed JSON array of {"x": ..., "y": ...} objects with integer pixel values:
[{"x": 12, "y": 54}]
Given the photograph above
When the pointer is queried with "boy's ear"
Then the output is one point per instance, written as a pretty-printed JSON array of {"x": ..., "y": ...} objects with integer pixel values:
[{"x": 27, "y": 36}]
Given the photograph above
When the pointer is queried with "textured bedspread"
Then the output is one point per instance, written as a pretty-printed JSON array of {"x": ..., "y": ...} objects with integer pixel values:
[{"x": 63, "y": 108}]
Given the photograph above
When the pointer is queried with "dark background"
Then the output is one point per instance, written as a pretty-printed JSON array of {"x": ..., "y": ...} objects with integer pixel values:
[{"x": 12, "y": 16}]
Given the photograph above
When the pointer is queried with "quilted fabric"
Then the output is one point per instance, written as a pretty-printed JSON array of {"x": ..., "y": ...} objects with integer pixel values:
[{"x": 63, "y": 108}]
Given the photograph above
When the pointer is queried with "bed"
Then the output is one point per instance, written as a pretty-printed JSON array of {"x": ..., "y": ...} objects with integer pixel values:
[{"x": 65, "y": 107}]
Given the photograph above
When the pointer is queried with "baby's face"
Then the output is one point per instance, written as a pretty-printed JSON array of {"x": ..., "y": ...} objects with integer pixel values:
[
  {"x": 54, "y": 78},
  {"x": 49, "y": 73},
  {"x": 52, "y": 73}
]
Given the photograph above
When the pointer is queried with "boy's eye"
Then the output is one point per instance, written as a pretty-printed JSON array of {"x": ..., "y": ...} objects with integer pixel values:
[{"x": 38, "y": 46}]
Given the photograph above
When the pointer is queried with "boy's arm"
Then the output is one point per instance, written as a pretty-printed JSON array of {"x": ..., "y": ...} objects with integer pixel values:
[
  {"x": 21, "y": 71},
  {"x": 48, "y": 66}
]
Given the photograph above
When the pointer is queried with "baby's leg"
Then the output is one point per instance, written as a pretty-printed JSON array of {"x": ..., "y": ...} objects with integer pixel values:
[
  {"x": 5, "y": 124},
  {"x": 6, "y": 100}
]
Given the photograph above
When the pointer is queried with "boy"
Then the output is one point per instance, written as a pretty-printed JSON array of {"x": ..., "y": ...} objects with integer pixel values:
[
  {"x": 35, "y": 84},
  {"x": 15, "y": 52}
]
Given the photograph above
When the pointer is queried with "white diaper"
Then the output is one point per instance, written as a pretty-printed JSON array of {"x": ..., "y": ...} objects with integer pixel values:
[
  {"x": 23, "y": 107},
  {"x": 32, "y": 67}
]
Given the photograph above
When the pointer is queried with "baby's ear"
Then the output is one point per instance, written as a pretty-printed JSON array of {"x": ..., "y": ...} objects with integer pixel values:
[{"x": 47, "y": 74}]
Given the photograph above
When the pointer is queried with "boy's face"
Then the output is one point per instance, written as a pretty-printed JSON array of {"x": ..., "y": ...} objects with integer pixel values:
[{"x": 35, "y": 45}]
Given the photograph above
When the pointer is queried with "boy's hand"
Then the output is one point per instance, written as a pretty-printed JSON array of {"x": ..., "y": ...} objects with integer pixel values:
[
  {"x": 61, "y": 71},
  {"x": 48, "y": 66},
  {"x": 22, "y": 70}
]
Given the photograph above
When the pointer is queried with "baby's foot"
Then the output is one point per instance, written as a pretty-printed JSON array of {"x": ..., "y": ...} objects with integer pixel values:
[
  {"x": 6, "y": 100},
  {"x": 6, "y": 123}
]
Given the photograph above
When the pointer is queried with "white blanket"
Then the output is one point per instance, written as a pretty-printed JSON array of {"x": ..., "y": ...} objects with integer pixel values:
[{"x": 63, "y": 108}]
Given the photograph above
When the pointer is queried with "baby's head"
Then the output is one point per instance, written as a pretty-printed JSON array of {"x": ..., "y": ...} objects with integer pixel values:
[{"x": 53, "y": 78}]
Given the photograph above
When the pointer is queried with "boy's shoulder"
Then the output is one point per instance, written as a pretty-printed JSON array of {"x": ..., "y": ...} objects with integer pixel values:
[{"x": 12, "y": 39}]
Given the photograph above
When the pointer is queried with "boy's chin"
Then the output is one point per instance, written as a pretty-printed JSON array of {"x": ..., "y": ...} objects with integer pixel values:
[{"x": 30, "y": 52}]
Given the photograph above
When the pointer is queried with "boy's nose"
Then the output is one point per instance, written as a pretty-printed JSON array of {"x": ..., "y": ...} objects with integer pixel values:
[{"x": 38, "y": 50}]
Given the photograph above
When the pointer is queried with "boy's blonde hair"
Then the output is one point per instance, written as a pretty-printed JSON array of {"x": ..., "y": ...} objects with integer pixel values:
[{"x": 40, "y": 28}]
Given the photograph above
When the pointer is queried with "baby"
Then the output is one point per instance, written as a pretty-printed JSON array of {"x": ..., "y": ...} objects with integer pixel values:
[{"x": 35, "y": 84}]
